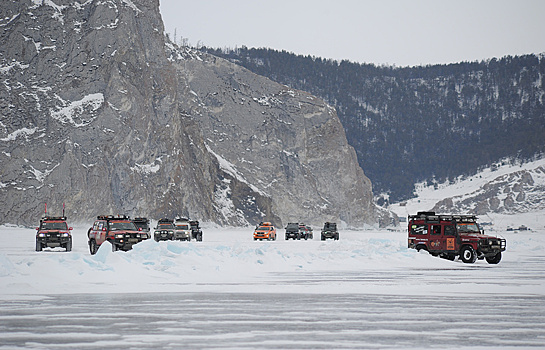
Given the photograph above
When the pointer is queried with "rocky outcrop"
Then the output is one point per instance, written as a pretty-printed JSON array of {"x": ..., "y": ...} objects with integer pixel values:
[
  {"x": 515, "y": 192},
  {"x": 100, "y": 113}
]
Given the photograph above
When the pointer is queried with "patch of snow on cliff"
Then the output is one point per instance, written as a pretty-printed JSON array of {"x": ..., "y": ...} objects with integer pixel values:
[
  {"x": 58, "y": 8},
  {"x": 230, "y": 169},
  {"x": 73, "y": 110},
  {"x": 146, "y": 168},
  {"x": 21, "y": 132},
  {"x": 132, "y": 6}
]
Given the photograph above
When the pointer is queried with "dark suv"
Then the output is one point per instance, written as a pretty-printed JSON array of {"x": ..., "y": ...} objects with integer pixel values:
[
  {"x": 196, "y": 232},
  {"x": 330, "y": 231},
  {"x": 449, "y": 236},
  {"x": 164, "y": 230},
  {"x": 292, "y": 231},
  {"x": 119, "y": 230},
  {"x": 142, "y": 223},
  {"x": 53, "y": 232}
]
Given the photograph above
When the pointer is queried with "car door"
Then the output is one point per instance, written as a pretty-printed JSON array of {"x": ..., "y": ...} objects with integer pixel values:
[{"x": 437, "y": 241}]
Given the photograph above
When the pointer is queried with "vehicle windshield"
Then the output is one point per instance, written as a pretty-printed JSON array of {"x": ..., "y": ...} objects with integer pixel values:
[
  {"x": 165, "y": 226},
  {"x": 264, "y": 228},
  {"x": 183, "y": 227},
  {"x": 53, "y": 226},
  {"x": 117, "y": 226},
  {"x": 293, "y": 226},
  {"x": 468, "y": 228}
]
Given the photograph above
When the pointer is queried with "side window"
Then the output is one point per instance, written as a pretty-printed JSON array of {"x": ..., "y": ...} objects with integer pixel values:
[
  {"x": 419, "y": 229},
  {"x": 450, "y": 230},
  {"x": 95, "y": 226},
  {"x": 100, "y": 225},
  {"x": 435, "y": 229}
]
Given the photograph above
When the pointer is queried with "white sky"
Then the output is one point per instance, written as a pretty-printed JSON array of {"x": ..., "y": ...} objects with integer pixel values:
[{"x": 394, "y": 32}]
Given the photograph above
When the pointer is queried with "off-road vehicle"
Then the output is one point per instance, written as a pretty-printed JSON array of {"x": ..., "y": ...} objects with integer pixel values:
[
  {"x": 182, "y": 230},
  {"x": 449, "y": 236},
  {"x": 265, "y": 230},
  {"x": 119, "y": 230},
  {"x": 53, "y": 232},
  {"x": 196, "y": 232},
  {"x": 306, "y": 231},
  {"x": 292, "y": 231},
  {"x": 330, "y": 231},
  {"x": 164, "y": 230},
  {"x": 142, "y": 223}
]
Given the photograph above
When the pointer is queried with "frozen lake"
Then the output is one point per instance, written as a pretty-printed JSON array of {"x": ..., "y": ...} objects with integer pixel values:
[
  {"x": 366, "y": 290},
  {"x": 272, "y": 321}
]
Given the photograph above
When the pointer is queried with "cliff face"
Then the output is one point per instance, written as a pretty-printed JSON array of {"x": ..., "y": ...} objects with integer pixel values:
[
  {"x": 288, "y": 145},
  {"x": 100, "y": 113}
]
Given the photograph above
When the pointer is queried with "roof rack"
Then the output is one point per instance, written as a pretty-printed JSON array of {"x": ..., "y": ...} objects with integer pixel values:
[
  {"x": 113, "y": 217},
  {"x": 430, "y": 216}
]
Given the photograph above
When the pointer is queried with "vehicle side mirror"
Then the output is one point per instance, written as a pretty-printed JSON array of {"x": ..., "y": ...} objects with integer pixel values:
[
  {"x": 37, "y": 228},
  {"x": 140, "y": 229},
  {"x": 104, "y": 229},
  {"x": 70, "y": 228}
]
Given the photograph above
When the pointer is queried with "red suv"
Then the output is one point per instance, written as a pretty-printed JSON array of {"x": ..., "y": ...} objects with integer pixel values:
[
  {"x": 53, "y": 232},
  {"x": 449, "y": 236},
  {"x": 120, "y": 231}
]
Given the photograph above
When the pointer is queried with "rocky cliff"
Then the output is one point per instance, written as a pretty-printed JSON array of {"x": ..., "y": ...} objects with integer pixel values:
[{"x": 99, "y": 112}]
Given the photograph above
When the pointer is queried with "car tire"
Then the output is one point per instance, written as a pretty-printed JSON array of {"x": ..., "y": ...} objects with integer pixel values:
[
  {"x": 494, "y": 259},
  {"x": 68, "y": 246},
  {"x": 468, "y": 254},
  {"x": 38, "y": 246},
  {"x": 323, "y": 238},
  {"x": 93, "y": 247}
]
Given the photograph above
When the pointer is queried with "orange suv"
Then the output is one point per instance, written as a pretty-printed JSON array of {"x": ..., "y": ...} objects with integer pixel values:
[{"x": 265, "y": 230}]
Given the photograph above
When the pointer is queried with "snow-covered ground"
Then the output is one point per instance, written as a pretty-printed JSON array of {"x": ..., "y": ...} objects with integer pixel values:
[{"x": 366, "y": 290}]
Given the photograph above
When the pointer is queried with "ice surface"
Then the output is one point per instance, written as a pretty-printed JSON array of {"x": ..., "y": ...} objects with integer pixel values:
[{"x": 366, "y": 290}]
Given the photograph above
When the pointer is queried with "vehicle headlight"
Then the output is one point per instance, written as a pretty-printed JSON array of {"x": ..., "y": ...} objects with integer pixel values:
[
  {"x": 41, "y": 235},
  {"x": 119, "y": 236},
  {"x": 65, "y": 234}
]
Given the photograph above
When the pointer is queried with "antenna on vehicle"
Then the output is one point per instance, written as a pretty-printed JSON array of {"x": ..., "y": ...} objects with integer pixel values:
[
  {"x": 45, "y": 209},
  {"x": 62, "y": 208}
]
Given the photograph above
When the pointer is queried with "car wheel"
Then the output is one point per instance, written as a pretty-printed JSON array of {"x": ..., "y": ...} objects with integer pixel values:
[
  {"x": 468, "y": 255},
  {"x": 38, "y": 246},
  {"x": 494, "y": 259},
  {"x": 421, "y": 247},
  {"x": 68, "y": 246},
  {"x": 93, "y": 247},
  {"x": 323, "y": 238}
]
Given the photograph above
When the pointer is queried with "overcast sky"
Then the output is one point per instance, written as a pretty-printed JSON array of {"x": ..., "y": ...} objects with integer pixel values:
[{"x": 394, "y": 32}]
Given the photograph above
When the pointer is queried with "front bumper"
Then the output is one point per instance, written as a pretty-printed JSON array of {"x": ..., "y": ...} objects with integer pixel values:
[
  {"x": 491, "y": 247},
  {"x": 127, "y": 240},
  {"x": 53, "y": 241},
  {"x": 182, "y": 236}
]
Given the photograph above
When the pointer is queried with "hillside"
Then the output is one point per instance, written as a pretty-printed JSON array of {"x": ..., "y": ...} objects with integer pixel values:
[
  {"x": 512, "y": 189},
  {"x": 413, "y": 124},
  {"x": 101, "y": 112}
]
